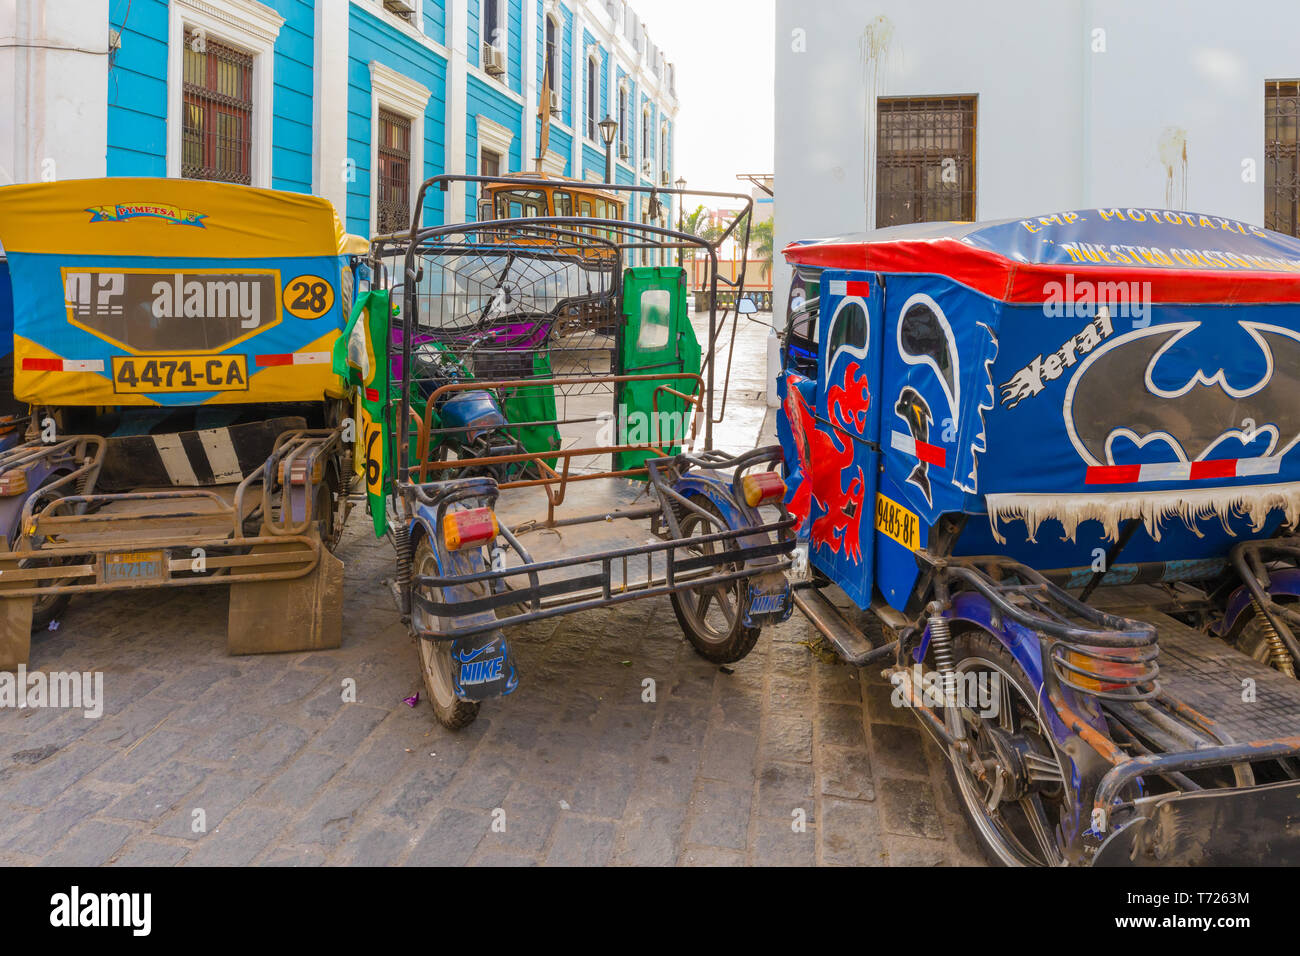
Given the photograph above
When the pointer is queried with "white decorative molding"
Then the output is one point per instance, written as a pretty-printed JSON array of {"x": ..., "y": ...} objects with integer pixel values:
[
  {"x": 256, "y": 20},
  {"x": 553, "y": 163},
  {"x": 397, "y": 93},
  {"x": 247, "y": 25},
  {"x": 398, "y": 89},
  {"x": 496, "y": 138}
]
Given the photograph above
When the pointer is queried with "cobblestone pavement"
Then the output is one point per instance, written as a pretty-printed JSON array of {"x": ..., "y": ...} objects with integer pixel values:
[
  {"x": 285, "y": 772},
  {"x": 265, "y": 753}
]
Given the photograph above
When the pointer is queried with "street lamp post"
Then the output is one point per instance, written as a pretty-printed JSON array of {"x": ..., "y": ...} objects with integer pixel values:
[{"x": 608, "y": 130}]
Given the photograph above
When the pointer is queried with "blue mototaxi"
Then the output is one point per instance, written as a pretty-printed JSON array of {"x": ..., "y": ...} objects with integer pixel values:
[{"x": 1055, "y": 457}]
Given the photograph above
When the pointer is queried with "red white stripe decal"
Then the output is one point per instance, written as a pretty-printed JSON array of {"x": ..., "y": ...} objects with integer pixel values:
[
  {"x": 843, "y": 287},
  {"x": 62, "y": 365},
  {"x": 1182, "y": 471},
  {"x": 932, "y": 454},
  {"x": 295, "y": 358}
]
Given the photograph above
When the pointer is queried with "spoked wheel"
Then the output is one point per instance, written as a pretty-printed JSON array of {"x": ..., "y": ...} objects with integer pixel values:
[
  {"x": 710, "y": 616},
  {"x": 435, "y": 660},
  {"x": 1013, "y": 787}
]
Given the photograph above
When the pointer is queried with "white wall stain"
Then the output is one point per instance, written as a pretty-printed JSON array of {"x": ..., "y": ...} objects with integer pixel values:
[
  {"x": 876, "y": 45},
  {"x": 1172, "y": 150}
]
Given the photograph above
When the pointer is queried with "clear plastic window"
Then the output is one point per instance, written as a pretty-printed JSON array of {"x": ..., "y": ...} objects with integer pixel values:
[{"x": 656, "y": 312}]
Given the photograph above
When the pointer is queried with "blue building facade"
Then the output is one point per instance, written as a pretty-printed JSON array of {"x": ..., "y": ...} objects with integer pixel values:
[{"x": 361, "y": 100}]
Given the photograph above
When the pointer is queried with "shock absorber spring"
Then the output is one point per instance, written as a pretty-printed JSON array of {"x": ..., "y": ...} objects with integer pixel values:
[
  {"x": 405, "y": 567},
  {"x": 941, "y": 647},
  {"x": 1278, "y": 655}
]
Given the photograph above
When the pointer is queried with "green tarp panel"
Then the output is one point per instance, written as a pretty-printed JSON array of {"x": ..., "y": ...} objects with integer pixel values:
[{"x": 657, "y": 340}]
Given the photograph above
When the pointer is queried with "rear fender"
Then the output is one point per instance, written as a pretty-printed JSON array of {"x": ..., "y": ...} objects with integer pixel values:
[
  {"x": 767, "y": 597},
  {"x": 1020, "y": 642},
  {"x": 11, "y": 508},
  {"x": 1285, "y": 583},
  {"x": 1085, "y": 766},
  {"x": 484, "y": 668}
]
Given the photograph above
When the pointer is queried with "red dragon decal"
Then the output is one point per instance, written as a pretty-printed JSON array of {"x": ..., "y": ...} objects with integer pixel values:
[{"x": 827, "y": 463}]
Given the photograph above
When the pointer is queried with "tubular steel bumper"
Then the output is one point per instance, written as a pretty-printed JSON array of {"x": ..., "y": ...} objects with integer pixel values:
[
  {"x": 172, "y": 522},
  {"x": 679, "y": 574}
]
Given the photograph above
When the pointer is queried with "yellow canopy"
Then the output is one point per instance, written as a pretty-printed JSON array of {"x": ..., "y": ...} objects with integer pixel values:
[{"x": 169, "y": 217}]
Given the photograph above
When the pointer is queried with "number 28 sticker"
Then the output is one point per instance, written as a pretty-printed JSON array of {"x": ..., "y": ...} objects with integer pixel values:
[{"x": 308, "y": 297}]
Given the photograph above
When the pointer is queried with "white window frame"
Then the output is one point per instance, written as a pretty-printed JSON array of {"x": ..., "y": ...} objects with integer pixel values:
[
  {"x": 395, "y": 93},
  {"x": 647, "y": 126},
  {"x": 624, "y": 108},
  {"x": 245, "y": 25},
  {"x": 503, "y": 26},
  {"x": 557, "y": 65},
  {"x": 496, "y": 139},
  {"x": 664, "y": 166},
  {"x": 593, "y": 98}
]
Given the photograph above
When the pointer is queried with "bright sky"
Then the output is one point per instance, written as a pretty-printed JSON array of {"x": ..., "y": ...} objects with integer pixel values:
[{"x": 724, "y": 51}]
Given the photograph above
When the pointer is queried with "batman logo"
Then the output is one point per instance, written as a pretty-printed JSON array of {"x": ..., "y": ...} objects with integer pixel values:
[
  {"x": 1114, "y": 395},
  {"x": 914, "y": 410},
  {"x": 925, "y": 338}
]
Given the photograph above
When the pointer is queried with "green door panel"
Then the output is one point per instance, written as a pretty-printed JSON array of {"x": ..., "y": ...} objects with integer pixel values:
[{"x": 658, "y": 339}]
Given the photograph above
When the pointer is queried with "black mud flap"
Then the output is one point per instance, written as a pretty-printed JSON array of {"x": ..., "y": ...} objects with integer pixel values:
[
  {"x": 483, "y": 667},
  {"x": 213, "y": 456},
  {"x": 1253, "y": 826},
  {"x": 768, "y": 599}
]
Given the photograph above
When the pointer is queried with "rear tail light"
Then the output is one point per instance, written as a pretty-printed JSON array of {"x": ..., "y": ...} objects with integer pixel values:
[
  {"x": 762, "y": 487},
  {"x": 13, "y": 483},
  {"x": 469, "y": 529},
  {"x": 1123, "y": 675}
]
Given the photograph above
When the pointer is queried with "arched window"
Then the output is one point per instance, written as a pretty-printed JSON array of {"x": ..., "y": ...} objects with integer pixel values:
[
  {"x": 593, "y": 97},
  {"x": 624, "y": 152},
  {"x": 552, "y": 52}
]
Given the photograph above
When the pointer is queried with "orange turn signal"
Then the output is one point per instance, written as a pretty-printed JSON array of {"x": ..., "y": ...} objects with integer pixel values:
[
  {"x": 469, "y": 529},
  {"x": 762, "y": 487},
  {"x": 13, "y": 483},
  {"x": 298, "y": 473}
]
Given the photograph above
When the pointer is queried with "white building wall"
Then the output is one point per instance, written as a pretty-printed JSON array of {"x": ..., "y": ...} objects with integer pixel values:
[
  {"x": 54, "y": 81},
  {"x": 1058, "y": 126}
]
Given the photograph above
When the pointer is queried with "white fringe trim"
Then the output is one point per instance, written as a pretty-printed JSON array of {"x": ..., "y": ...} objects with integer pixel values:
[{"x": 1153, "y": 507}]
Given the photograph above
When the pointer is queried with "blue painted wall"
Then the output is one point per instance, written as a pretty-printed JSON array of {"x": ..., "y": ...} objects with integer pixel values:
[
  {"x": 137, "y": 93},
  {"x": 488, "y": 99},
  {"x": 291, "y": 134},
  {"x": 473, "y": 38},
  {"x": 370, "y": 39},
  {"x": 566, "y": 54},
  {"x": 137, "y": 90},
  {"x": 515, "y": 53},
  {"x": 435, "y": 21}
]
